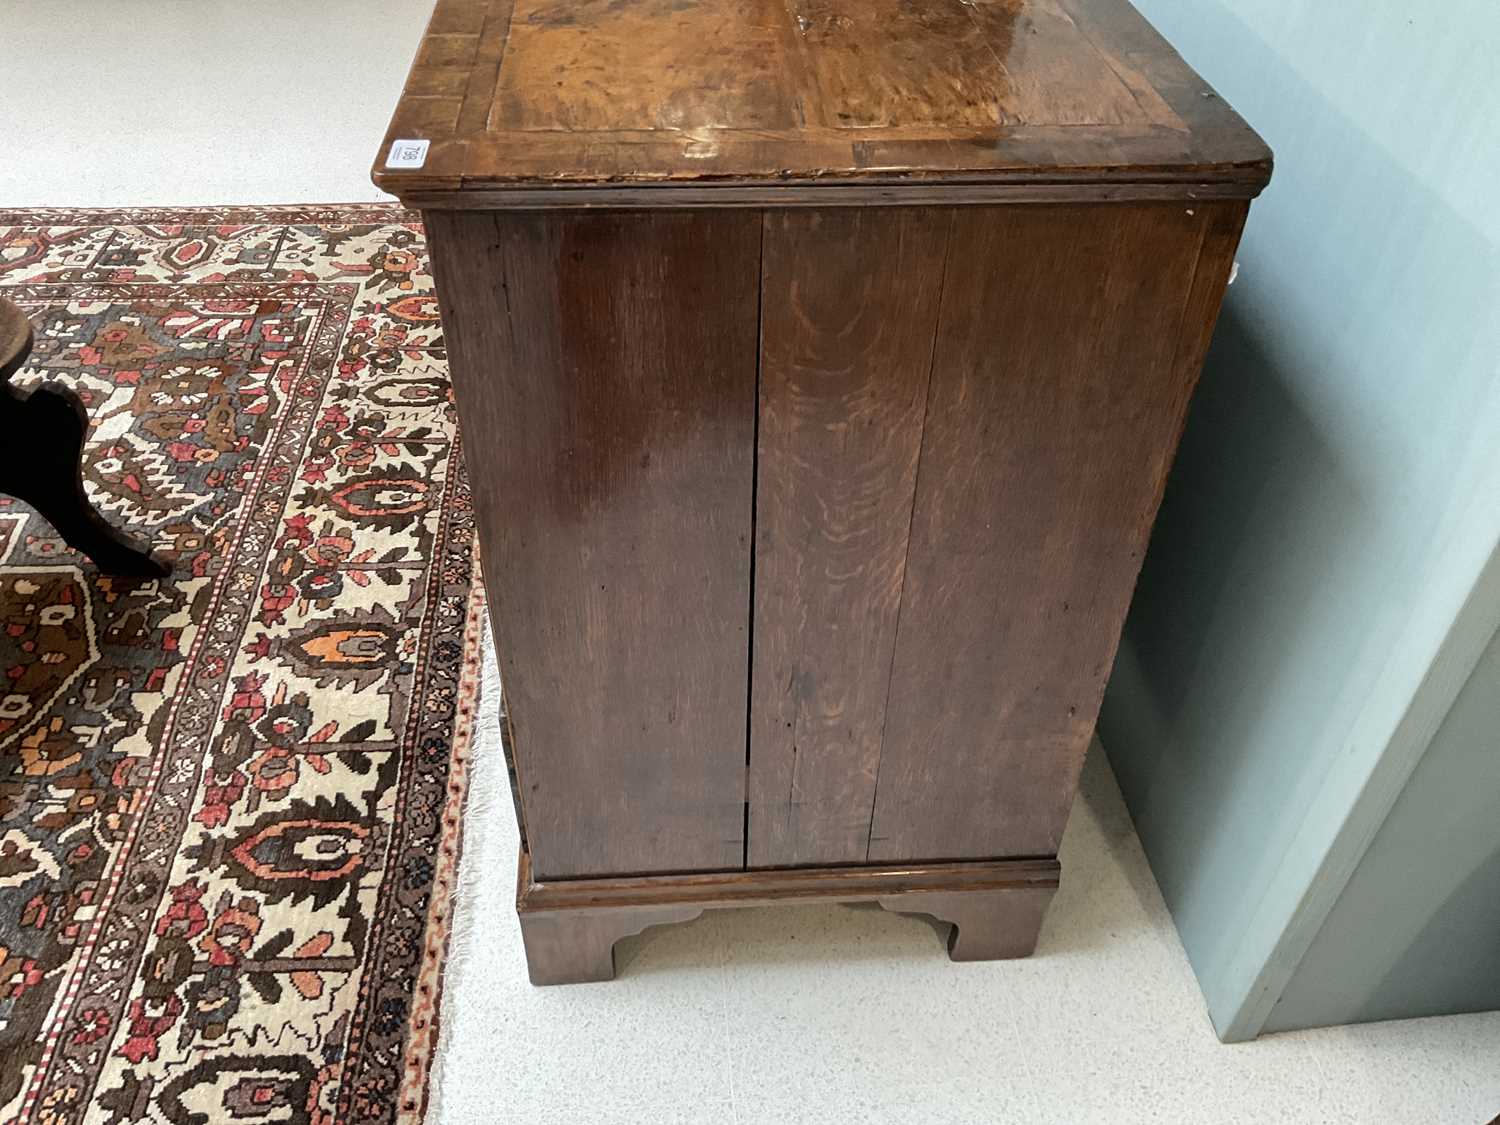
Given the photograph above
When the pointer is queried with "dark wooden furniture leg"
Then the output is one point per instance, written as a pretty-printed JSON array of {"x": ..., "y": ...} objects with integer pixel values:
[
  {"x": 41, "y": 451},
  {"x": 577, "y": 946},
  {"x": 987, "y": 925}
]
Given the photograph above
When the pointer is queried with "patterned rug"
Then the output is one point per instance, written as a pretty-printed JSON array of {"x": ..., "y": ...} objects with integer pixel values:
[{"x": 230, "y": 800}]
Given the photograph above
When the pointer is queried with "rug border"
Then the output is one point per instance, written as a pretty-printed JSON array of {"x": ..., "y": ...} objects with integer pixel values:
[
  {"x": 132, "y": 854},
  {"x": 424, "y": 1039},
  {"x": 235, "y": 213},
  {"x": 415, "y": 1069}
]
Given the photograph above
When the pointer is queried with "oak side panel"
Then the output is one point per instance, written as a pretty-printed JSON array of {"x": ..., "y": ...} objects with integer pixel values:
[
  {"x": 849, "y": 307},
  {"x": 604, "y": 370},
  {"x": 1059, "y": 387}
]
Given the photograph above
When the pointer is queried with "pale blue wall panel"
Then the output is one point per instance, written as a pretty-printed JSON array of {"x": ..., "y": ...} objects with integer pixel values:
[
  {"x": 1417, "y": 930},
  {"x": 1323, "y": 506}
]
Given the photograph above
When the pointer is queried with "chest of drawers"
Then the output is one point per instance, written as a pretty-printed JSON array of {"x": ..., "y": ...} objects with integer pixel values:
[{"x": 819, "y": 366}]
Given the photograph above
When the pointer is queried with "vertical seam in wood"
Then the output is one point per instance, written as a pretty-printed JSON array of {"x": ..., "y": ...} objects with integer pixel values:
[
  {"x": 937, "y": 324},
  {"x": 760, "y": 302}
]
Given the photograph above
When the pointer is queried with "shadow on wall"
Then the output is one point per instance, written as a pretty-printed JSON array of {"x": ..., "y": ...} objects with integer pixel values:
[
  {"x": 1345, "y": 417},
  {"x": 1253, "y": 472}
]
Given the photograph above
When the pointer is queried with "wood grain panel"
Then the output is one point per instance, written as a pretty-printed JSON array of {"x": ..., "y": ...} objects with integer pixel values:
[
  {"x": 604, "y": 369},
  {"x": 871, "y": 71},
  {"x": 1056, "y": 75},
  {"x": 1002, "y": 62},
  {"x": 1058, "y": 393},
  {"x": 592, "y": 65},
  {"x": 848, "y": 310}
]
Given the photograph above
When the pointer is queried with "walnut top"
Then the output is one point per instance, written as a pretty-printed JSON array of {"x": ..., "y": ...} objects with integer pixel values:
[{"x": 529, "y": 101}]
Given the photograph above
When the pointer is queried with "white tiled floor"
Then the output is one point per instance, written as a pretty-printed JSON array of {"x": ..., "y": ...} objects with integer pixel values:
[
  {"x": 121, "y": 102},
  {"x": 846, "y": 1014},
  {"x": 808, "y": 1014}
]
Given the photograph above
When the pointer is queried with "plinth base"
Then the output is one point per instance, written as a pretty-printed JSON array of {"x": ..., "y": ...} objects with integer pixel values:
[{"x": 570, "y": 926}]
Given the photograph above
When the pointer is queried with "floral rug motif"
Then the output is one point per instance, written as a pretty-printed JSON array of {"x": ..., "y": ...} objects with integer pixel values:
[{"x": 230, "y": 799}]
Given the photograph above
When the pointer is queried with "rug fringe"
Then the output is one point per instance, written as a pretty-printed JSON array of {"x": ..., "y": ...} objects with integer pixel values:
[{"x": 484, "y": 815}]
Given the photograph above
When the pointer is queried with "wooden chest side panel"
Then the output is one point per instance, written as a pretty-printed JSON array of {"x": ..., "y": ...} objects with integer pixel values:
[
  {"x": 1068, "y": 346},
  {"x": 848, "y": 311},
  {"x": 604, "y": 368}
]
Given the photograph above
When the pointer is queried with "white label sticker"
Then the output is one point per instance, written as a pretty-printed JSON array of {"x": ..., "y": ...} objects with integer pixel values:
[{"x": 407, "y": 154}]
